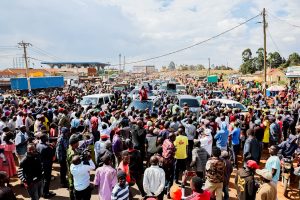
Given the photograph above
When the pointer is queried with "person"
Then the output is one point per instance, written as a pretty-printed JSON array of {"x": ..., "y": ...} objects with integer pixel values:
[
  {"x": 190, "y": 131},
  {"x": 266, "y": 191},
  {"x": 198, "y": 193},
  {"x": 21, "y": 141},
  {"x": 71, "y": 152},
  {"x": 139, "y": 137},
  {"x": 143, "y": 94},
  {"x": 105, "y": 179},
  {"x": 117, "y": 145},
  {"x": 30, "y": 172},
  {"x": 245, "y": 182},
  {"x": 61, "y": 155},
  {"x": 227, "y": 173},
  {"x": 121, "y": 189},
  {"x": 252, "y": 148},
  {"x": 274, "y": 131},
  {"x": 100, "y": 146},
  {"x": 9, "y": 149},
  {"x": 6, "y": 193},
  {"x": 215, "y": 168},
  {"x": 206, "y": 139},
  {"x": 273, "y": 164},
  {"x": 81, "y": 177},
  {"x": 222, "y": 137},
  {"x": 181, "y": 144},
  {"x": 199, "y": 159},
  {"x": 154, "y": 179},
  {"x": 236, "y": 142},
  {"x": 288, "y": 147},
  {"x": 46, "y": 155}
]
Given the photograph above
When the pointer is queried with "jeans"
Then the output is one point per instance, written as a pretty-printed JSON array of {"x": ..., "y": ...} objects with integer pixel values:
[
  {"x": 84, "y": 194},
  {"x": 190, "y": 149},
  {"x": 35, "y": 190},
  {"x": 47, "y": 177},
  {"x": 236, "y": 149},
  {"x": 63, "y": 171},
  {"x": 180, "y": 166},
  {"x": 226, "y": 193}
]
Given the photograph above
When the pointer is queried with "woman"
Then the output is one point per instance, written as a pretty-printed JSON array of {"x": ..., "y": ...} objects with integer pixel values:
[
  {"x": 9, "y": 149},
  {"x": 266, "y": 124}
]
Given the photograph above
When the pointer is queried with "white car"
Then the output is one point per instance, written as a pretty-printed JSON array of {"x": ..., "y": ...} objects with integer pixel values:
[
  {"x": 191, "y": 101},
  {"x": 97, "y": 99},
  {"x": 230, "y": 104}
]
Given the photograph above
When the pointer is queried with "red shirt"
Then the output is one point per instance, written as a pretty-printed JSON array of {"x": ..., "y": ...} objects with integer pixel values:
[
  {"x": 94, "y": 123},
  {"x": 199, "y": 196}
]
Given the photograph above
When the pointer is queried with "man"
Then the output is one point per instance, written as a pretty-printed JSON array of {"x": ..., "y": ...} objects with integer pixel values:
[
  {"x": 61, "y": 155},
  {"x": 154, "y": 179},
  {"x": 273, "y": 164},
  {"x": 121, "y": 189},
  {"x": 117, "y": 145},
  {"x": 222, "y": 137},
  {"x": 99, "y": 146},
  {"x": 71, "y": 152},
  {"x": 46, "y": 155},
  {"x": 6, "y": 193},
  {"x": 181, "y": 144},
  {"x": 236, "y": 142},
  {"x": 288, "y": 147},
  {"x": 199, "y": 159},
  {"x": 190, "y": 131},
  {"x": 274, "y": 131},
  {"x": 206, "y": 139},
  {"x": 81, "y": 177},
  {"x": 31, "y": 173},
  {"x": 215, "y": 168},
  {"x": 252, "y": 148},
  {"x": 168, "y": 155},
  {"x": 245, "y": 182},
  {"x": 266, "y": 191},
  {"x": 143, "y": 94},
  {"x": 227, "y": 174},
  {"x": 29, "y": 122},
  {"x": 139, "y": 136},
  {"x": 19, "y": 121},
  {"x": 105, "y": 179},
  {"x": 21, "y": 141},
  {"x": 198, "y": 193}
]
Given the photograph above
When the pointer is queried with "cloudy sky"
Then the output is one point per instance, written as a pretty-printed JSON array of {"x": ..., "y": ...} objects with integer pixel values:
[{"x": 98, "y": 30}]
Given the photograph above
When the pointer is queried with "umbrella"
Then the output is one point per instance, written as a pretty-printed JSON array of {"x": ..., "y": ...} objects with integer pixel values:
[{"x": 275, "y": 88}]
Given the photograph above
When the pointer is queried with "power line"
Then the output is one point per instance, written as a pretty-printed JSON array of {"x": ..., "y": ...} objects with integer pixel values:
[
  {"x": 273, "y": 41},
  {"x": 193, "y": 45},
  {"x": 283, "y": 20},
  {"x": 36, "y": 59},
  {"x": 46, "y": 53}
]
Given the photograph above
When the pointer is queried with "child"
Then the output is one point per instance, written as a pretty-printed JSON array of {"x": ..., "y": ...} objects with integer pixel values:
[{"x": 121, "y": 189}]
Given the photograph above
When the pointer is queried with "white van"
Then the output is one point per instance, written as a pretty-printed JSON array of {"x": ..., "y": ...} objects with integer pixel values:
[
  {"x": 230, "y": 104},
  {"x": 97, "y": 99}
]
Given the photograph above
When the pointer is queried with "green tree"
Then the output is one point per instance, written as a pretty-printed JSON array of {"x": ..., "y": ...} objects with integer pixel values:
[
  {"x": 258, "y": 63},
  {"x": 246, "y": 55},
  {"x": 274, "y": 59},
  {"x": 171, "y": 66},
  {"x": 294, "y": 59},
  {"x": 247, "y": 67}
]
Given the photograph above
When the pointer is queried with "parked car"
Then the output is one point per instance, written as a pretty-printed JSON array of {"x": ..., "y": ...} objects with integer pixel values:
[
  {"x": 229, "y": 104},
  {"x": 97, "y": 100},
  {"x": 191, "y": 101}
]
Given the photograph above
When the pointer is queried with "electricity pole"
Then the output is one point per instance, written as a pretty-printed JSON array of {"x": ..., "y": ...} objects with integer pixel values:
[
  {"x": 120, "y": 62},
  {"x": 124, "y": 64},
  {"x": 208, "y": 66},
  {"x": 24, "y": 46},
  {"x": 265, "y": 48}
]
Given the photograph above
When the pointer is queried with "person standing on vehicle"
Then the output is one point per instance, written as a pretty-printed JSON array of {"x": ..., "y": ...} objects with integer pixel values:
[
  {"x": 143, "y": 94},
  {"x": 245, "y": 182},
  {"x": 31, "y": 173}
]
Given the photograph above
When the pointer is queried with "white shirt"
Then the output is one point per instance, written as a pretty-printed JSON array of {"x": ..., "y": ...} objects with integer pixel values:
[
  {"x": 18, "y": 137},
  {"x": 207, "y": 141},
  {"x": 81, "y": 175},
  {"x": 19, "y": 121},
  {"x": 154, "y": 180}
]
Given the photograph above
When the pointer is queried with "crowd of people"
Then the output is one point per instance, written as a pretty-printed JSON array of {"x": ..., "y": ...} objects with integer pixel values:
[{"x": 159, "y": 152}]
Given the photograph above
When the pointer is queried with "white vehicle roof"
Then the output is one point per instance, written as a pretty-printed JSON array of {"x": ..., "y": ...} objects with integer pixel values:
[
  {"x": 185, "y": 97},
  {"x": 225, "y": 101},
  {"x": 98, "y": 95}
]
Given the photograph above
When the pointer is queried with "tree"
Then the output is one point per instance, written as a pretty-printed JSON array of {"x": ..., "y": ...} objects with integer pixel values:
[
  {"x": 246, "y": 55},
  {"x": 294, "y": 59},
  {"x": 274, "y": 59},
  {"x": 171, "y": 66},
  {"x": 259, "y": 62},
  {"x": 247, "y": 67}
]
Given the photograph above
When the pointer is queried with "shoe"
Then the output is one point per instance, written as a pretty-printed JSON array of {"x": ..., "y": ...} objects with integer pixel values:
[{"x": 49, "y": 195}]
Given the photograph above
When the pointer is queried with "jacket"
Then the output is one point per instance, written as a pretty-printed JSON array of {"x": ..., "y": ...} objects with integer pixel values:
[
  {"x": 245, "y": 185},
  {"x": 31, "y": 169},
  {"x": 252, "y": 149}
]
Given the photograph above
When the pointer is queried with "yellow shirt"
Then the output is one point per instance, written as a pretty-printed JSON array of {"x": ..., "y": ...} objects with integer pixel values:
[
  {"x": 181, "y": 143},
  {"x": 266, "y": 138}
]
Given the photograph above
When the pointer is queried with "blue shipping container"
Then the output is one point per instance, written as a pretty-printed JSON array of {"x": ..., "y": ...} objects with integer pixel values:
[{"x": 37, "y": 82}]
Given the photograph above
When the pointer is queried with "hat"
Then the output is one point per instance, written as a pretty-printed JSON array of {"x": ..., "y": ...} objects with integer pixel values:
[
  {"x": 104, "y": 136},
  {"x": 61, "y": 110},
  {"x": 73, "y": 139},
  {"x": 64, "y": 130},
  {"x": 252, "y": 164},
  {"x": 121, "y": 174},
  {"x": 101, "y": 113},
  {"x": 175, "y": 192},
  {"x": 266, "y": 174},
  {"x": 257, "y": 122}
]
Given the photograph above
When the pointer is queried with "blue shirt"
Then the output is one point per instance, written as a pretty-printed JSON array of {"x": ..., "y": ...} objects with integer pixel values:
[
  {"x": 222, "y": 138},
  {"x": 274, "y": 163},
  {"x": 236, "y": 136}
]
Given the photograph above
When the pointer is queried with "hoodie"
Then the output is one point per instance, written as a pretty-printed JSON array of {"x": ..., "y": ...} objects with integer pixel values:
[
  {"x": 222, "y": 136},
  {"x": 245, "y": 184},
  {"x": 288, "y": 147}
]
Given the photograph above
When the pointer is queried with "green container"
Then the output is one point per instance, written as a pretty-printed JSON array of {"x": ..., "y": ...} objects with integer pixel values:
[{"x": 212, "y": 79}]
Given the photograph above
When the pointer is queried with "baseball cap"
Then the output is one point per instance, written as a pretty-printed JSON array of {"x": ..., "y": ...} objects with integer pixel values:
[
  {"x": 104, "y": 136},
  {"x": 252, "y": 164}
]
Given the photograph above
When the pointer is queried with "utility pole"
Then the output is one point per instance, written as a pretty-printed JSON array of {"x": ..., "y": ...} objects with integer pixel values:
[
  {"x": 124, "y": 64},
  {"x": 265, "y": 49},
  {"x": 24, "y": 46},
  {"x": 208, "y": 66},
  {"x": 120, "y": 62}
]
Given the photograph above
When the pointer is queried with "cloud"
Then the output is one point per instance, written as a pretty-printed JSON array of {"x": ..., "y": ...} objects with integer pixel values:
[{"x": 98, "y": 30}]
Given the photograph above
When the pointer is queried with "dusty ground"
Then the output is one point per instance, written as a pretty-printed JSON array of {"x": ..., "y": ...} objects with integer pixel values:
[{"x": 62, "y": 193}]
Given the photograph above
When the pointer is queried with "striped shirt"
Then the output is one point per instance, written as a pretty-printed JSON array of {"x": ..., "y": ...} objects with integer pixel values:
[{"x": 120, "y": 193}]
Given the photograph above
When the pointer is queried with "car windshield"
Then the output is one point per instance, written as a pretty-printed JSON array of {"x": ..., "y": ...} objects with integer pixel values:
[
  {"x": 190, "y": 102},
  {"x": 240, "y": 106},
  {"x": 142, "y": 105},
  {"x": 180, "y": 87},
  {"x": 89, "y": 100}
]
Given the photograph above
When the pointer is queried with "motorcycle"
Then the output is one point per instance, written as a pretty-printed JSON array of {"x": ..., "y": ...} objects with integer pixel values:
[{"x": 286, "y": 170}]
